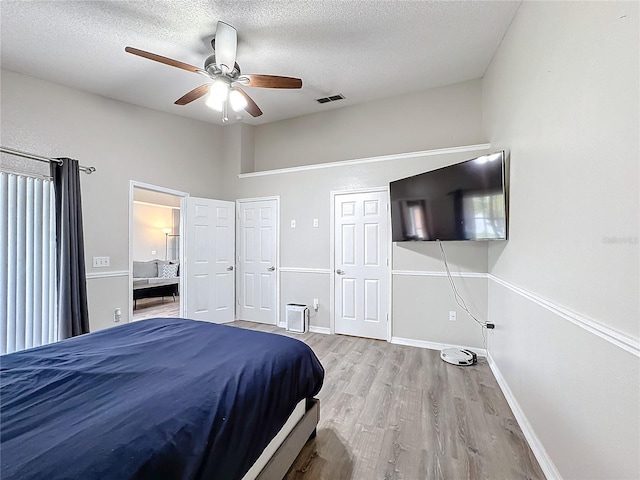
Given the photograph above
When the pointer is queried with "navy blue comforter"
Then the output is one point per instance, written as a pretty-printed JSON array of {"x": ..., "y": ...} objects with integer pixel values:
[{"x": 156, "y": 399}]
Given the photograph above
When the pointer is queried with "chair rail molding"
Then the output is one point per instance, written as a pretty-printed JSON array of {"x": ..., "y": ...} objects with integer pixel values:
[
  {"x": 305, "y": 270},
  {"x": 609, "y": 334},
  {"x": 109, "y": 274}
]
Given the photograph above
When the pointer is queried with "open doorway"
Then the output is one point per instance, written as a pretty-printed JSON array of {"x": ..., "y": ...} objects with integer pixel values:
[{"x": 155, "y": 251}]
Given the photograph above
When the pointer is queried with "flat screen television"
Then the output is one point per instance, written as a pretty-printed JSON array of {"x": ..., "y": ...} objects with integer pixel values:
[{"x": 464, "y": 201}]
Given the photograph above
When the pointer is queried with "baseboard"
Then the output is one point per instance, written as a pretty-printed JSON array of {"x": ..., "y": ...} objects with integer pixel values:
[
  {"x": 546, "y": 464},
  {"x": 435, "y": 346},
  {"x": 323, "y": 330}
]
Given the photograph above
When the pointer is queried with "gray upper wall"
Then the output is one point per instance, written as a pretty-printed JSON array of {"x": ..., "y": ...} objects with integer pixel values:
[
  {"x": 124, "y": 142},
  {"x": 306, "y": 194},
  {"x": 440, "y": 117},
  {"x": 568, "y": 113}
]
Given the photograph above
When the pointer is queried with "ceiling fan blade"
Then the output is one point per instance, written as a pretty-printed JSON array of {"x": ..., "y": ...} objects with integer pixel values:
[
  {"x": 272, "y": 81},
  {"x": 252, "y": 108},
  {"x": 226, "y": 45},
  {"x": 165, "y": 60},
  {"x": 194, "y": 94}
]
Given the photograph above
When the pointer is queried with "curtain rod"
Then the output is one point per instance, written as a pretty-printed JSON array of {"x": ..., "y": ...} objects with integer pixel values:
[{"x": 20, "y": 153}]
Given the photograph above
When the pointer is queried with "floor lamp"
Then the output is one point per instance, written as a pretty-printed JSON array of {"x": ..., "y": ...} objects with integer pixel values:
[{"x": 166, "y": 232}]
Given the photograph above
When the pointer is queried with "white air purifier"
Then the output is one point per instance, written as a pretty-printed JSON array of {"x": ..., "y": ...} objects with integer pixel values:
[{"x": 297, "y": 317}]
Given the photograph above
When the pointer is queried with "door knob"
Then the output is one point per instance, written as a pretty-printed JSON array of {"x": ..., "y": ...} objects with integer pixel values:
[
  {"x": 271, "y": 269},
  {"x": 229, "y": 269},
  {"x": 340, "y": 272}
]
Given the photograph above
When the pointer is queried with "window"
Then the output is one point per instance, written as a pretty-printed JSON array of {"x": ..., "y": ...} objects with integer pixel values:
[
  {"x": 28, "y": 306},
  {"x": 484, "y": 216}
]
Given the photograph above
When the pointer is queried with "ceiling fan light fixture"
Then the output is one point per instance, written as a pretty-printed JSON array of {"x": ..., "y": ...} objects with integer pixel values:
[
  {"x": 237, "y": 100},
  {"x": 224, "y": 79},
  {"x": 219, "y": 91},
  {"x": 213, "y": 104}
]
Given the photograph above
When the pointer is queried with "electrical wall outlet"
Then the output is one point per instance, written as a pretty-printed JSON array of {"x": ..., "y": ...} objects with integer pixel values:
[
  {"x": 453, "y": 316},
  {"x": 316, "y": 304},
  {"x": 315, "y": 223},
  {"x": 117, "y": 315},
  {"x": 293, "y": 224},
  {"x": 99, "y": 262}
]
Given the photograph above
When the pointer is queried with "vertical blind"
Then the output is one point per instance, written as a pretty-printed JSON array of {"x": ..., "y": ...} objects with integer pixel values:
[{"x": 28, "y": 306}]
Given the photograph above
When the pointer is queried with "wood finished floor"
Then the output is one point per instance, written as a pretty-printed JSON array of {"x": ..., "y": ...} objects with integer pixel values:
[
  {"x": 396, "y": 412},
  {"x": 156, "y": 308}
]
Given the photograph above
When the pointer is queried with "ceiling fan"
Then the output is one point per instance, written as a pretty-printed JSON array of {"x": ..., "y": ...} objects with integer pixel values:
[{"x": 225, "y": 79}]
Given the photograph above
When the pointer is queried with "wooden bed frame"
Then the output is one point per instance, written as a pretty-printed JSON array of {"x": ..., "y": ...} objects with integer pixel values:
[{"x": 287, "y": 453}]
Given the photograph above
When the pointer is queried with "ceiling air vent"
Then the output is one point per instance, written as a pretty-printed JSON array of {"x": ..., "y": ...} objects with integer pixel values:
[{"x": 332, "y": 98}]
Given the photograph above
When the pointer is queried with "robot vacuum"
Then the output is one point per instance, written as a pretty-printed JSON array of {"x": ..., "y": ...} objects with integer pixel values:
[{"x": 458, "y": 356}]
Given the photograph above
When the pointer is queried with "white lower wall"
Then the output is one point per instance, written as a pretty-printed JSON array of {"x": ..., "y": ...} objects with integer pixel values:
[
  {"x": 422, "y": 302},
  {"x": 574, "y": 392},
  {"x": 302, "y": 285},
  {"x": 103, "y": 291}
]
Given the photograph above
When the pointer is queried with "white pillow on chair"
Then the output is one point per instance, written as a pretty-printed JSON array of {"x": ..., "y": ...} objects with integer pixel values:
[{"x": 169, "y": 270}]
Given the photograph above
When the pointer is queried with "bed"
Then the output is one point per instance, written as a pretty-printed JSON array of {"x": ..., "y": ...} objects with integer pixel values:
[{"x": 159, "y": 398}]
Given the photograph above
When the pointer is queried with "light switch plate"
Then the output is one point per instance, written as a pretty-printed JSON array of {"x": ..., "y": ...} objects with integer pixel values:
[{"x": 99, "y": 262}]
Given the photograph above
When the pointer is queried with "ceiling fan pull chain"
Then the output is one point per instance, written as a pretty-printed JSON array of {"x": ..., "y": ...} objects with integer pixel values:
[{"x": 225, "y": 117}]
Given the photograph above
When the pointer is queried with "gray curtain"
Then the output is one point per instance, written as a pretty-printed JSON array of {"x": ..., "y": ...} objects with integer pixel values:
[{"x": 73, "y": 314}]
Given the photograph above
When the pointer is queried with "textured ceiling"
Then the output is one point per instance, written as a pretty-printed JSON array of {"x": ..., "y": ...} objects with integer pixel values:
[{"x": 365, "y": 50}]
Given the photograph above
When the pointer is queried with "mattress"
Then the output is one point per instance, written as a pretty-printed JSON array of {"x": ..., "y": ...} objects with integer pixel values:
[{"x": 160, "y": 398}]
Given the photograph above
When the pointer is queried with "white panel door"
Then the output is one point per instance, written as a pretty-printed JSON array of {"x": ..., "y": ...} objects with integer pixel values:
[
  {"x": 361, "y": 251},
  {"x": 209, "y": 260},
  {"x": 257, "y": 249}
]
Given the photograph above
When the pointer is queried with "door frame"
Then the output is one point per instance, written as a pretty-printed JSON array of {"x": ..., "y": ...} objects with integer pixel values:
[
  {"x": 237, "y": 260},
  {"x": 332, "y": 255},
  {"x": 155, "y": 188}
]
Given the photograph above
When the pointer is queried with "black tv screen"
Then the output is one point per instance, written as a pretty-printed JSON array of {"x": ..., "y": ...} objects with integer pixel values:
[{"x": 465, "y": 201}]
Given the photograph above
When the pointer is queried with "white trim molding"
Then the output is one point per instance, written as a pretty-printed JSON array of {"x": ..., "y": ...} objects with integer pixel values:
[
  {"x": 428, "y": 273},
  {"x": 170, "y": 207},
  {"x": 305, "y": 270},
  {"x": 619, "y": 339},
  {"x": 546, "y": 464},
  {"x": 111, "y": 274},
  {"x": 360, "y": 161},
  {"x": 435, "y": 345},
  {"x": 322, "y": 330}
]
